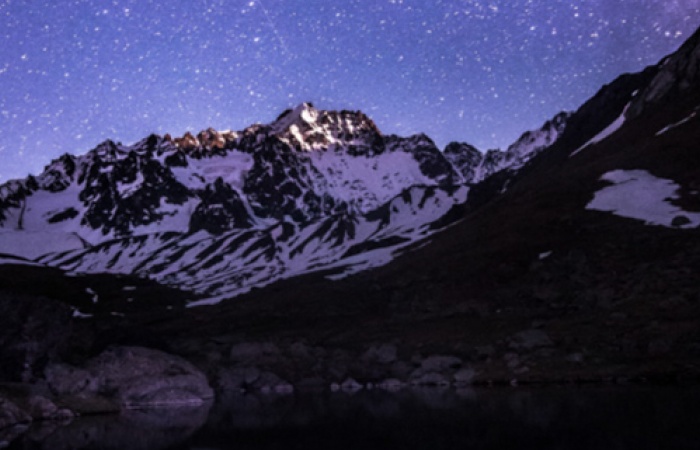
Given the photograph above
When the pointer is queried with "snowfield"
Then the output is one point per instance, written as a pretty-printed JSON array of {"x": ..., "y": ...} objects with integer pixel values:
[
  {"x": 33, "y": 244},
  {"x": 637, "y": 194},
  {"x": 677, "y": 124}
]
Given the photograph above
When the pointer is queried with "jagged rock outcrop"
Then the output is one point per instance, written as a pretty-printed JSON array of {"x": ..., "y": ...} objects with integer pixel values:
[
  {"x": 282, "y": 183},
  {"x": 476, "y": 167},
  {"x": 678, "y": 75},
  {"x": 432, "y": 162},
  {"x": 465, "y": 158},
  {"x": 220, "y": 210},
  {"x": 124, "y": 190}
]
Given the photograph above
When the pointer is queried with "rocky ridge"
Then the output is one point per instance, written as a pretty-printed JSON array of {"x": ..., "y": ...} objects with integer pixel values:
[{"x": 312, "y": 190}]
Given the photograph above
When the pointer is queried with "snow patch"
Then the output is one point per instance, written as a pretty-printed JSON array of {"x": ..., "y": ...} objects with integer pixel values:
[
  {"x": 79, "y": 315},
  {"x": 95, "y": 297},
  {"x": 544, "y": 255},
  {"x": 639, "y": 195},
  {"x": 32, "y": 244},
  {"x": 232, "y": 168},
  {"x": 677, "y": 124},
  {"x": 367, "y": 182},
  {"x": 17, "y": 261}
]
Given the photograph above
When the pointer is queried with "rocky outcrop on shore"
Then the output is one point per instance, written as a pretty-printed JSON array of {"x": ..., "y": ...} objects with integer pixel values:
[
  {"x": 269, "y": 367},
  {"x": 121, "y": 380},
  {"x": 132, "y": 377}
]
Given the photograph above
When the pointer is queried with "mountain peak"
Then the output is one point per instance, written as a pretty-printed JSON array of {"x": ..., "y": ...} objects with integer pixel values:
[
  {"x": 308, "y": 129},
  {"x": 209, "y": 139},
  {"x": 475, "y": 166},
  {"x": 305, "y": 112}
]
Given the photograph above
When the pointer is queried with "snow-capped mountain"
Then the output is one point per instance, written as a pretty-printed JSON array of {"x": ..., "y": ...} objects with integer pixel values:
[
  {"x": 579, "y": 264},
  {"x": 220, "y": 212},
  {"x": 474, "y": 166}
]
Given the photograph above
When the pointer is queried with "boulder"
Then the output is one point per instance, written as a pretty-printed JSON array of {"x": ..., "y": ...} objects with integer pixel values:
[
  {"x": 337, "y": 364},
  {"x": 301, "y": 351},
  {"x": 576, "y": 357},
  {"x": 391, "y": 384},
  {"x": 238, "y": 378},
  {"x": 41, "y": 408},
  {"x": 134, "y": 377},
  {"x": 438, "y": 363},
  {"x": 382, "y": 354},
  {"x": 254, "y": 352},
  {"x": 531, "y": 339},
  {"x": 680, "y": 221},
  {"x": 270, "y": 383},
  {"x": 464, "y": 377},
  {"x": 11, "y": 414},
  {"x": 430, "y": 379},
  {"x": 435, "y": 370},
  {"x": 512, "y": 360},
  {"x": 64, "y": 379},
  {"x": 350, "y": 385}
]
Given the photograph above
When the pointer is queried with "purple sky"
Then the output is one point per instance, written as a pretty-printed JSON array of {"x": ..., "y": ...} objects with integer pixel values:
[{"x": 76, "y": 72}]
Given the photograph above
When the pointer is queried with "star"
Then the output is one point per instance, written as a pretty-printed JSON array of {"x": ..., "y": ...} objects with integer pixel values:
[{"x": 76, "y": 72}]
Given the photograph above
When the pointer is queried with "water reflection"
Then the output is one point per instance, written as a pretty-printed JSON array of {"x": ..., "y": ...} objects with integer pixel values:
[
  {"x": 134, "y": 430},
  {"x": 551, "y": 418}
]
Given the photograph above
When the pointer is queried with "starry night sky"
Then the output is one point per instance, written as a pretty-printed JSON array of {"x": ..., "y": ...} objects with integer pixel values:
[{"x": 76, "y": 72}]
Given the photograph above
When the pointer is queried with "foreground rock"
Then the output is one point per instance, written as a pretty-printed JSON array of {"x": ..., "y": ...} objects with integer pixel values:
[
  {"x": 11, "y": 414},
  {"x": 284, "y": 367},
  {"x": 134, "y": 377}
]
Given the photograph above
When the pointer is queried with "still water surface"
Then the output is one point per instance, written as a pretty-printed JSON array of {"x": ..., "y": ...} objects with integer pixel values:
[{"x": 499, "y": 418}]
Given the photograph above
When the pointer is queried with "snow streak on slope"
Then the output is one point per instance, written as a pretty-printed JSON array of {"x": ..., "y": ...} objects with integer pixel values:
[
  {"x": 608, "y": 131},
  {"x": 677, "y": 124},
  {"x": 639, "y": 195},
  {"x": 11, "y": 260}
]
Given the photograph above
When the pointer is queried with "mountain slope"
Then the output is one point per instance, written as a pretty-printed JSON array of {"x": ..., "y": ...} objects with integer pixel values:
[
  {"x": 609, "y": 296},
  {"x": 535, "y": 279},
  {"x": 475, "y": 167}
]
